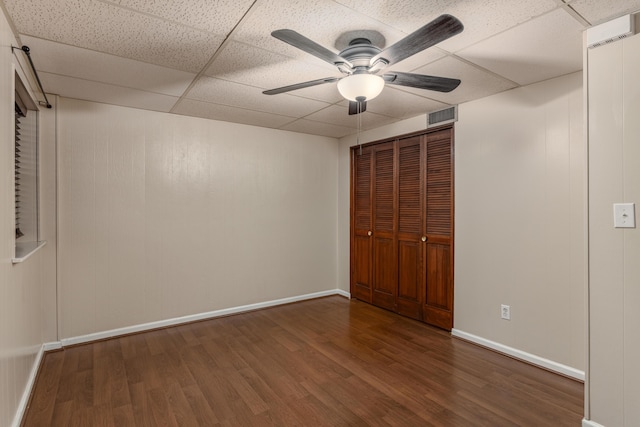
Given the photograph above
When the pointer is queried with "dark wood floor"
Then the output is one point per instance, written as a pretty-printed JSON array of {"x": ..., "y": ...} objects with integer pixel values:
[{"x": 324, "y": 362}]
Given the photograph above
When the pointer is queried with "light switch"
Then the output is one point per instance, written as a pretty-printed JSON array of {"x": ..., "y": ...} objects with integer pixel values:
[{"x": 624, "y": 215}]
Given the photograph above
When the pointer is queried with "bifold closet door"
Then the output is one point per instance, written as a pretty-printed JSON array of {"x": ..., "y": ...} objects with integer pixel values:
[
  {"x": 385, "y": 259},
  {"x": 410, "y": 228},
  {"x": 438, "y": 303},
  {"x": 361, "y": 224},
  {"x": 402, "y": 226}
]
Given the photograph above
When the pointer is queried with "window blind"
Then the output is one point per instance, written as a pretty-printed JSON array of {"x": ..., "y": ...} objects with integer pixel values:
[{"x": 19, "y": 114}]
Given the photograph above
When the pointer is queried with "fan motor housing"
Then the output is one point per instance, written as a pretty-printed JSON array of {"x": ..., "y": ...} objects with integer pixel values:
[{"x": 359, "y": 52}]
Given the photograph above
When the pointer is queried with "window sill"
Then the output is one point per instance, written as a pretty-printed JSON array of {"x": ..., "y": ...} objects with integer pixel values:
[{"x": 26, "y": 249}]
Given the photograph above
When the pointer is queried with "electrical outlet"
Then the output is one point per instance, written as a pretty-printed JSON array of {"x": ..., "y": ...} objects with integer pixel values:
[{"x": 505, "y": 312}]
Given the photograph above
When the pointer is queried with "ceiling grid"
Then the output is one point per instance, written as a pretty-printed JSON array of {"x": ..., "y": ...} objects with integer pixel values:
[{"x": 214, "y": 58}]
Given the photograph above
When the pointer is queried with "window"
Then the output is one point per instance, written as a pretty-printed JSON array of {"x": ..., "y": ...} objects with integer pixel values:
[{"x": 26, "y": 173}]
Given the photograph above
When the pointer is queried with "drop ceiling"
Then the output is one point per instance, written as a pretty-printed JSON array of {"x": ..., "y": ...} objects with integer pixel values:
[{"x": 213, "y": 58}]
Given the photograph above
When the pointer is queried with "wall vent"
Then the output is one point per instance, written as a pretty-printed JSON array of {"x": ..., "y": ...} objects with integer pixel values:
[
  {"x": 447, "y": 115},
  {"x": 611, "y": 31}
]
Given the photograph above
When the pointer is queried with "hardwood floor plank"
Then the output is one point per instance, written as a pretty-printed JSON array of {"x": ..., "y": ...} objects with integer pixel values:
[
  {"x": 200, "y": 407},
  {"x": 323, "y": 362},
  {"x": 123, "y": 416}
]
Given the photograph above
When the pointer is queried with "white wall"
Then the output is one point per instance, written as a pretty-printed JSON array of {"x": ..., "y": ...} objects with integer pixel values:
[
  {"x": 519, "y": 217},
  {"x": 163, "y": 216},
  {"x": 27, "y": 314},
  {"x": 614, "y": 264}
]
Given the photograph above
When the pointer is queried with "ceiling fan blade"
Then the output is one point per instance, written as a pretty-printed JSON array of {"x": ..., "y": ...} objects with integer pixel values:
[
  {"x": 357, "y": 107},
  {"x": 421, "y": 81},
  {"x": 300, "y": 85},
  {"x": 296, "y": 39},
  {"x": 434, "y": 32}
]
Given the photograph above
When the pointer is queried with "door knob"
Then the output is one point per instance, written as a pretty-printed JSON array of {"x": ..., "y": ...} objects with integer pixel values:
[
  {"x": 369, "y": 233},
  {"x": 424, "y": 238}
]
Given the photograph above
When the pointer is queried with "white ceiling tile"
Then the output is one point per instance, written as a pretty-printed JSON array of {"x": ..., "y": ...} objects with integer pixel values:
[
  {"x": 108, "y": 94},
  {"x": 190, "y": 107},
  {"x": 217, "y": 17},
  {"x": 318, "y": 128},
  {"x": 234, "y": 94},
  {"x": 396, "y": 103},
  {"x": 107, "y": 28},
  {"x": 339, "y": 115},
  {"x": 481, "y": 19},
  {"x": 246, "y": 64},
  {"x": 322, "y": 21},
  {"x": 57, "y": 58},
  {"x": 549, "y": 46},
  {"x": 476, "y": 83},
  {"x": 599, "y": 11},
  {"x": 418, "y": 60}
]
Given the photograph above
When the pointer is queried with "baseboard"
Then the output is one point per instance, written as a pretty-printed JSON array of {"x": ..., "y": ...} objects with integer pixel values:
[
  {"x": 194, "y": 317},
  {"x": 31, "y": 381},
  {"x": 522, "y": 355},
  {"x": 343, "y": 293},
  {"x": 50, "y": 346},
  {"x": 589, "y": 423}
]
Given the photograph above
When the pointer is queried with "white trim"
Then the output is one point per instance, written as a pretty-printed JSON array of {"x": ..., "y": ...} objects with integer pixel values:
[
  {"x": 589, "y": 423},
  {"x": 522, "y": 355},
  {"x": 192, "y": 318},
  {"x": 50, "y": 346},
  {"x": 343, "y": 293},
  {"x": 24, "y": 250},
  {"x": 31, "y": 381}
]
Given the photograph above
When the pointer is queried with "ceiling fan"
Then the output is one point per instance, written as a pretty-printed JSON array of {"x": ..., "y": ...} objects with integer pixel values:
[{"x": 361, "y": 61}]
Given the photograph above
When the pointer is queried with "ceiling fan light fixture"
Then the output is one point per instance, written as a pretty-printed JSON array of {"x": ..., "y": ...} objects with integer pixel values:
[{"x": 361, "y": 85}]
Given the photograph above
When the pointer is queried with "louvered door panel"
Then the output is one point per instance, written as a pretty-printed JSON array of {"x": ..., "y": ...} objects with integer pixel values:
[
  {"x": 363, "y": 190},
  {"x": 362, "y": 218},
  {"x": 438, "y": 307},
  {"x": 385, "y": 276},
  {"x": 384, "y": 191},
  {"x": 410, "y": 220},
  {"x": 439, "y": 182}
]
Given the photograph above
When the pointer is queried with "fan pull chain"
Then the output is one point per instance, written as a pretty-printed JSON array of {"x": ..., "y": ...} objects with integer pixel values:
[{"x": 360, "y": 101}]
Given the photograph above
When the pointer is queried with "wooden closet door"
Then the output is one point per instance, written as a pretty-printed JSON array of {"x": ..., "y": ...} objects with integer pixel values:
[
  {"x": 438, "y": 303},
  {"x": 385, "y": 264},
  {"x": 410, "y": 192},
  {"x": 362, "y": 224}
]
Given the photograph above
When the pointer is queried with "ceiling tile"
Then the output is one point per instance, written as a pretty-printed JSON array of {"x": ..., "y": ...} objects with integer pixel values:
[
  {"x": 234, "y": 94},
  {"x": 481, "y": 19},
  {"x": 190, "y": 107},
  {"x": 549, "y": 46},
  {"x": 217, "y": 17},
  {"x": 339, "y": 115},
  {"x": 107, "y": 28},
  {"x": 318, "y": 128},
  {"x": 249, "y": 65},
  {"x": 57, "y": 58},
  {"x": 598, "y": 11},
  {"x": 418, "y": 60},
  {"x": 476, "y": 83},
  {"x": 322, "y": 21},
  {"x": 396, "y": 103},
  {"x": 108, "y": 94}
]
